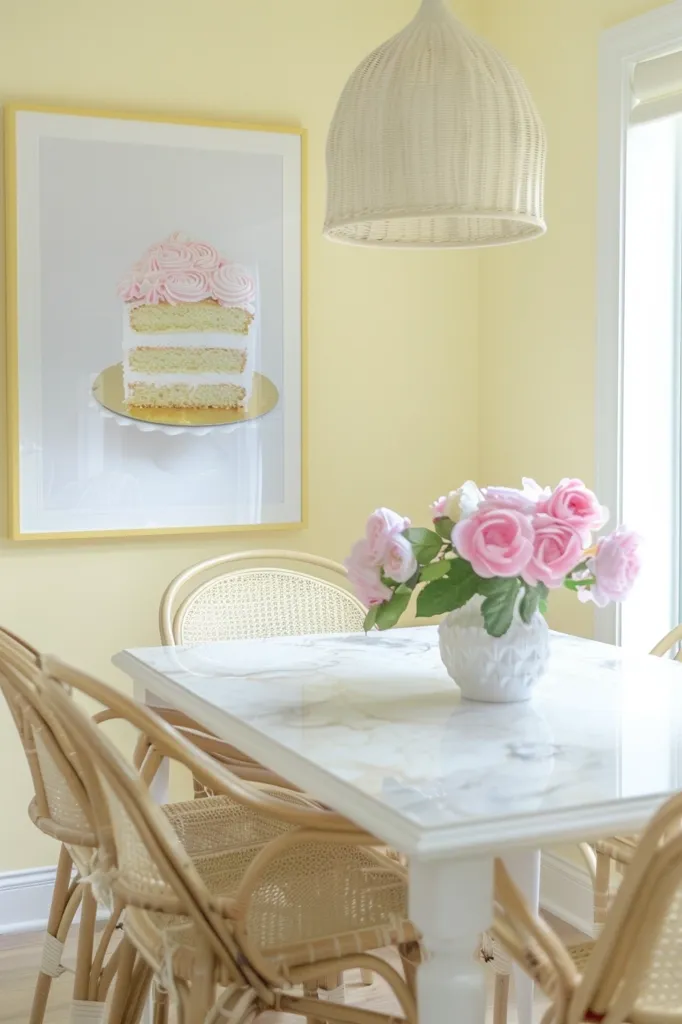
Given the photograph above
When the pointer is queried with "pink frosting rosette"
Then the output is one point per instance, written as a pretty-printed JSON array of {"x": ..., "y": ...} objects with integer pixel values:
[
  {"x": 182, "y": 270},
  {"x": 187, "y": 286},
  {"x": 204, "y": 255},
  {"x": 233, "y": 285}
]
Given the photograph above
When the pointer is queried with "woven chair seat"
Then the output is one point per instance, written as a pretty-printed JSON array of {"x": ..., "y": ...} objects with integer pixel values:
[{"x": 315, "y": 900}]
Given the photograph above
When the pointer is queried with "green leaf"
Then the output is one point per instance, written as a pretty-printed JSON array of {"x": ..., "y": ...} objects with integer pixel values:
[
  {"x": 444, "y": 527},
  {"x": 425, "y": 543},
  {"x": 543, "y": 591},
  {"x": 389, "y": 613},
  {"x": 498, "y": 606},
  {"x": 529, "y": 604},
  {"x": 543, "y": 605},
  {"x": 435, "y": 570},
  {"x": 371, "y": 618},
  {"x": 451, "y": 592},
  {"x": 495, "y": 585}
]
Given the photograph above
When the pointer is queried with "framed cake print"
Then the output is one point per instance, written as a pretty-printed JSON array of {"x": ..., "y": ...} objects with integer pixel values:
[{"x": 155, "y": 324}]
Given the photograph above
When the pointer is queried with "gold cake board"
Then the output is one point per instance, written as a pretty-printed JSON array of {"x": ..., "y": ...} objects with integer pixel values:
[{"x": 108, "y": 391}]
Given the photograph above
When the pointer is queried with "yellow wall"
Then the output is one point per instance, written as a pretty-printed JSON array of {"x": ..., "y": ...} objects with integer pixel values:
[
  {"x": 538, "y": 302},
  {"x": 392, "y": 353}
]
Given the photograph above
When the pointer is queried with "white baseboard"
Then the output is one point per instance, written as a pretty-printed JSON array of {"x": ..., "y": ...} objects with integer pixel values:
[
  {"x": 25, "y": 898},
  {"x": 566, "y": 891}
]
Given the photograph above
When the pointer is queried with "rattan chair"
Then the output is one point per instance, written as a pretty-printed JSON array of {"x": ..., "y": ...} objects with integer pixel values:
[
  {"x": 245, "y": 596},
  {"x": 633, "y": 970},
  {"x": 237, "y": 597},
  {"x": 249, "y": 595},
  {"x": 618, "y": 851},
  {"x": 288, "y": 891},
  {"x": 60, "y": 809}
]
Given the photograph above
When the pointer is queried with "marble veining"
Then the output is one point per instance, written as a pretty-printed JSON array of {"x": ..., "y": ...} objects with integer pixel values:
[{"x": 380, "y": 713}]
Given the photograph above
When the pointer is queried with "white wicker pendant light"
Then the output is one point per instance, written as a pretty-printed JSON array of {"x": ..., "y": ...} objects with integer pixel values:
[{"x": 435, "y": 142}]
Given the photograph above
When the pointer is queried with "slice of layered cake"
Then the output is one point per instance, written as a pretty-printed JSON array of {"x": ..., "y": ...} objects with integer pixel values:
[{"x": 188, "y": 328}]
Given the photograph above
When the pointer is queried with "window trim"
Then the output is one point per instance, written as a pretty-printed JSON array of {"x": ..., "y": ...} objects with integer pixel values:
[{"x": 620, "y": 49}]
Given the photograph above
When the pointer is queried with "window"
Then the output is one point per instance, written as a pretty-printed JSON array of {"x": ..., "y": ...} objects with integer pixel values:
[{"x": 639, "y": 391}]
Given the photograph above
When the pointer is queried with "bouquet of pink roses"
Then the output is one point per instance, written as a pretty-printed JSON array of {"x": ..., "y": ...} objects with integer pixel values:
[{"x": 510, "y": 547}]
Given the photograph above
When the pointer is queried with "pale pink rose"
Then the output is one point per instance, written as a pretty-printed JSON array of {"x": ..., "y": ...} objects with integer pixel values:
[
  {"x": 187, "y": 286},
  {"x": 399, "y": 561},
  {"x": 576, "y": 505},
  {"x": 615, "y": 567},
  {"x": 525, "y": 500},
  {"x": 438, "y": 507},
  {"x": 382, "y": 527},
  {"x": 206, "y": 256},
  {"x": 174, "y": 253},
  {"x": 233, "y": 285},
  {"x": 497, "y": 542},
  {"x": 557, "y": 549},
  {"x": 364, "y": 576}
]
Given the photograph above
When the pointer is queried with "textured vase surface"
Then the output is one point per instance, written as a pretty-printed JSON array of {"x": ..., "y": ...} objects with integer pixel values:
[{"x": 494, "y": 669}]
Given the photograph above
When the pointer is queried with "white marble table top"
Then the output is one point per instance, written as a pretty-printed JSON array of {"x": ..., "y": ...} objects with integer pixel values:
[{"x": 374, "y": 726}]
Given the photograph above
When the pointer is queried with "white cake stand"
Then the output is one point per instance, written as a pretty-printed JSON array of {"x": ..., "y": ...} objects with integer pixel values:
[{"x": 186, "y": 454}]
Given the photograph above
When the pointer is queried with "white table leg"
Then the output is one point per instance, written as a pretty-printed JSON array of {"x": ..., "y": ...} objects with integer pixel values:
[
  {"x": 451, "y": 903},
  {"x": 160, "y": 790},
  {"x": 524, "y": 868},
  {"x": 160, "y": 787}
]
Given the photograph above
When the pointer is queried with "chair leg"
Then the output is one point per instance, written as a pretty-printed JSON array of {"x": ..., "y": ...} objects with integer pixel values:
[
  {"x": 50, "y": 967},
  {"x": 124, "y": 974},
  {"x": 410, "y": 955},
  {"x": 85, "y": 1009},
  {"x": 501, "y": 999},
  {"x": 202, "y": 992},
  {"x": 602, "y": 890},
  {"x": 161, "y": 1006},
  {"x": 310, "y": 989}
]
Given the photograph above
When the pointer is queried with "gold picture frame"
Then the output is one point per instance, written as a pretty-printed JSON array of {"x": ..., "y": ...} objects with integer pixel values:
[{"x": 23, "y": 126}]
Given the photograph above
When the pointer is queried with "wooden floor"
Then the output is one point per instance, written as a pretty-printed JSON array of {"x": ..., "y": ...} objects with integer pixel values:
[{"x": 20, "y": 957}]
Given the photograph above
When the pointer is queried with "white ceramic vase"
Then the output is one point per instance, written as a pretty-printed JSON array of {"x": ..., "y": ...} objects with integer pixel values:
[{"x": 494, "y": 669}]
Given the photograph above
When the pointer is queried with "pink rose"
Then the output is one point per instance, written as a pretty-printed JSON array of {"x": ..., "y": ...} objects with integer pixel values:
[
  {"x": 557, "y": 549},
  {"x": 615, "y": 567},
  {"x": 382, "y": 527},
  {"x": 497, "y": 542},
  {"x": 187, "y": 286},
  {"x": 438, "y": 507},
  {"x": 399, "y": 561},
  {"x": 364, "y": 576},
  {"x": 575, "y": 504}
]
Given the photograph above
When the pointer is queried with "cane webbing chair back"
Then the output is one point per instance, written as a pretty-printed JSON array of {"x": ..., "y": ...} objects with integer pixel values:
[
  {"x": 60, "y": 806},
  {"x": 237, "y": 597},
  {"x": 633, "y": 972}
]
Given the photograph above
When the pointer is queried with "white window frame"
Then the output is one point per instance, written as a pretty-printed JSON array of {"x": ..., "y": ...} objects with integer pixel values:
[{"x": 620, "y": 49}]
